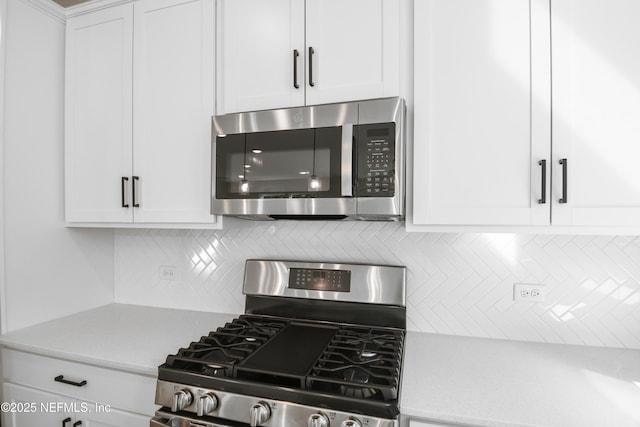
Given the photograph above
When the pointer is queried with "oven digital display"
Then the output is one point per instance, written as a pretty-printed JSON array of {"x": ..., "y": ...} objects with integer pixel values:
[{"x": 320, "y": 280}]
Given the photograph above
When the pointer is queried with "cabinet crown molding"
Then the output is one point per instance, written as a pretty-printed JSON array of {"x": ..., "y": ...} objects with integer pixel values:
[
  {"x": 92, "y": 6},
  {"x": 48, "y": 7}
]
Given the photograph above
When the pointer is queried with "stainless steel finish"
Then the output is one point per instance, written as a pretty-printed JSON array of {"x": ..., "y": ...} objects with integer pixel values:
[
  {"x": 236, "y": 407},
  {"x": 346, "y": 167},
  {"x": 158, "y": 422},
  {"x": 206, "y": 404},
  {"x": 259, "y": 414},
  {"x": 180, "y": 400},
  {"x": 318, "y": 420},
  {"x": 342, "y": 114},
  {"x": 383, "y": 111},
  {"x": 351, "y": 422},
  {"x": 376, "y": 284},
  {"x": 286, "y": 119},
  {"x": 262, "y": 208},
  {"x": 163, "y": 419}
]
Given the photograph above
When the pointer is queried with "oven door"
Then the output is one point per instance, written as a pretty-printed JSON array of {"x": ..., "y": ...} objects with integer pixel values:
[
  {"x": 168, "y": 419},
  {"x": 289, "y": 162}
]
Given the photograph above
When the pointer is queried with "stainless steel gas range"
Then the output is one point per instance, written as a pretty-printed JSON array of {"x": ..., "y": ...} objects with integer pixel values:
[{"x": 319, "y": 345}]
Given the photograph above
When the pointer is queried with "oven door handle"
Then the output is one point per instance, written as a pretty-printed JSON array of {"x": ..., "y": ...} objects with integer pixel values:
[
  {"x": 163, "y": 419},
  {"x": 346, "y": 167},
  {"x": 159, "y": 422}
]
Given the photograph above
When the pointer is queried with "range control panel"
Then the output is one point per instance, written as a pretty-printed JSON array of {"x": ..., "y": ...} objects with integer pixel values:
[
  {"x": 320, "y": 280},
  {"x": 375, "y": 159}
]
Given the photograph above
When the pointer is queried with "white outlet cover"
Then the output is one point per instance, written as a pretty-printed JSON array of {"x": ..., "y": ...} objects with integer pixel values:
[
  {"x": 529, "y": 292},
  {"x": 168, "y": 272}
]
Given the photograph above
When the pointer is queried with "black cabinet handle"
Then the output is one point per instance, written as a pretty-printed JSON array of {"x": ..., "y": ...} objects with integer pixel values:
[
  {"x": 295, "y": 68},
  {"x": 543, "y": 199},
  {"x": 122, "y": 189},
  {"x": 77, "y": 423},
  {"x": 311, "y": 52},
  {"x": 133, "y": 188},
  {"x": 65, "y": 421},
  {"x": 564, "y": 198},
  {"x": 60, "y": 379}
]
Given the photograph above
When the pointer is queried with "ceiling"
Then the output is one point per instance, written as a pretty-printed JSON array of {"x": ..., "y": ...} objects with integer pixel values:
[{"x": 67, "y": 3}]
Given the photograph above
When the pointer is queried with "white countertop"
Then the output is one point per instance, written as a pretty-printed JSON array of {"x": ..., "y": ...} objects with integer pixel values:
[
  {"x": 445, "y": 378},
  {"x": 510, "y": 383},
  {"x": 127, "y": 337}
]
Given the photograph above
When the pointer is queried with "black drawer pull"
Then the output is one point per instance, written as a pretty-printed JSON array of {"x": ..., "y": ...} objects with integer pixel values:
[
  {"x": 65, "y": 421},
  {"x": 77, "y": 423},
  {"x": 60, "y": 379}
]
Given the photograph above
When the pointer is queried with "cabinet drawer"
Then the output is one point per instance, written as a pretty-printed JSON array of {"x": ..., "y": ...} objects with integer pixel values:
[{"x": 123, "y": 390}]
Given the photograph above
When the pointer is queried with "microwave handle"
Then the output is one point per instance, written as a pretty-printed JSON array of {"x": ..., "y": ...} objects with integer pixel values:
[{"x": 346, "y": 168}]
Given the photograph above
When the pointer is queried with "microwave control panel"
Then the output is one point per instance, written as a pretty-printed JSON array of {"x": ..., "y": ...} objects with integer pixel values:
[{"x": 375, "y": 159}]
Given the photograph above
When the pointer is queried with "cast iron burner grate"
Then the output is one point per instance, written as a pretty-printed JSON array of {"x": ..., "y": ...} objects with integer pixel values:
[
  {"x": 227, "y": 346},
  {"x": 360, "y": 362}
]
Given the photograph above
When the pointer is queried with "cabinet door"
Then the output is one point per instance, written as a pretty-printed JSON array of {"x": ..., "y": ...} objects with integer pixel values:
[
  {"x": 174, "y": 79},
  {"x": 98, "y": 124},
  {"x": 101, "y": 416},
  {"x": 596, "y": 106},
  {"x": 356, "y": 45},
  {"x": 44, "y": 409},
  {"x": 481, "y": 112},
  {"x": 256, "y": 44}
]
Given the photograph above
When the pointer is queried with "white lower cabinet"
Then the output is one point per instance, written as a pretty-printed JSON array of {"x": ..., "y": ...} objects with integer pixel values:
[
  {"x": 35, "y": 408},
  {"x": 43, "y": 391}
]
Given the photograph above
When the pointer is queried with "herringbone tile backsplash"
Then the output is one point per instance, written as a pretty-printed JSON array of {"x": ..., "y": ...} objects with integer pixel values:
[{"x": 459, "y": 284}]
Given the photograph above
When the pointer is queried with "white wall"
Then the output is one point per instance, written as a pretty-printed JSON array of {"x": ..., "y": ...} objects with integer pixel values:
[
  {"x": 458, "y": 283},
  {"x": 50, "y": 271}
]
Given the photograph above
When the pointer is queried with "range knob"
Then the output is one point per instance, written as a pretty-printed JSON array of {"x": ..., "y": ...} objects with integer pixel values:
[
  {"x": 351, "y": 422},
  {"x": 318, "y": 420},
  {"x": 206, "y": 404},
  {"x": 260, "y": 413},
  {"x": 181, "y": 399}
]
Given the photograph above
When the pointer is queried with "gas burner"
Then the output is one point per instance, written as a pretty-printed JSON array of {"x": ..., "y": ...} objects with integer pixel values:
[
  {"x": 356, "y": 387},
  {"x": 355, "y": 375},
  {"x": 365, "y": 355}
]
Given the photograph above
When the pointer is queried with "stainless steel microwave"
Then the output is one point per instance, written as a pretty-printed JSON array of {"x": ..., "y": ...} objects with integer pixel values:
[{"x": 333, "y": 161}]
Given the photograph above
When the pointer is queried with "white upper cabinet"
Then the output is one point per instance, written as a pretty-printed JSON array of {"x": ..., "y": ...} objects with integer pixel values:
[
  {"x": 596, "y": 111},
  {"x": 257, "y": 45},
  {"x": 173, "y": 101},
  {"x": 98, "y": 115},
  {"x": 139, "y": 99},
  {"x": 355, "y": 45},
  {"x": 481, "y": 122},
  {"x": 285, "y": 53}
]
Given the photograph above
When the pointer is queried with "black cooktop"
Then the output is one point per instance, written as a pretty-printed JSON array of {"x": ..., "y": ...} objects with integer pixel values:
[{"x": 339, "y": 366}]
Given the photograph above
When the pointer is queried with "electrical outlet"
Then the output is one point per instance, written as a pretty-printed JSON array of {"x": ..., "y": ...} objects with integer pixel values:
[
  {"x": 529, "y": 292},
  {"x": 168, "y": 272}
]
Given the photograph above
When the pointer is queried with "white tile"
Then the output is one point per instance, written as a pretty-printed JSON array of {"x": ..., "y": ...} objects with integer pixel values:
[{"x": 458, "y": 283}]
